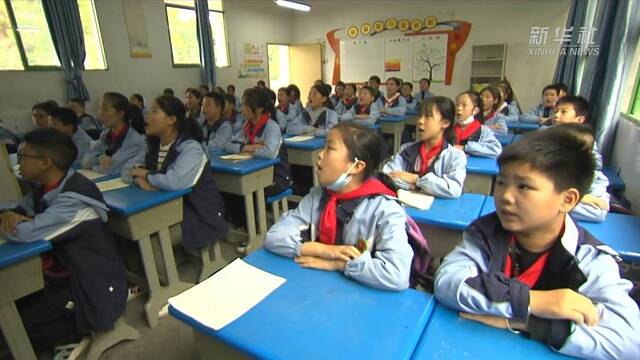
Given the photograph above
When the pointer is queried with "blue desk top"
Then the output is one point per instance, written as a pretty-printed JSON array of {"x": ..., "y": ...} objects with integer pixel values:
[
  {"x": 454, "y": 214},
  {"x": 411, "y": 112},
  {"x": 240, "y": 167},
  {"x": 505, "y": 139},
  {"x": 482, "y": 165},
  {"x": 489, "y": 206},
  {"x": 132, "y": 199},
  {"x": 615, "y": 181},
  {"x": 448, "y": 336},
  {"x": 392, "y": 118},
  {"x": 620, "y": 232},
  {"x": 324, "y": 315},
  {"x": 311, "y": 144},
  {"x": 520, "y": 125},
  {"x": 12, "y": 252}
]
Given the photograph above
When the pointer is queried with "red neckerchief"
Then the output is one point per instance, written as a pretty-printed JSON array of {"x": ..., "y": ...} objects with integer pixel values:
[
  {"x": 389, "y": 102},
  {"x": 252, "y": 131},
  {"x": 50, "y": 187},
  {"x": 462, "y": 135},
  {"x": 117, "y": 135},
  {"x": 363, "y": 109},
  {"x": 349, "y": 101},
  {"x": 329, "y": 220},
  {"x": 427, "y": 156}
]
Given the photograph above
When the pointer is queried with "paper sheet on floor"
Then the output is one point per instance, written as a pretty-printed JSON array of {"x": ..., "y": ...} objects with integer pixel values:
[
  {"x": 227, "y": 295},
  {"x": 415, "y": 199}
]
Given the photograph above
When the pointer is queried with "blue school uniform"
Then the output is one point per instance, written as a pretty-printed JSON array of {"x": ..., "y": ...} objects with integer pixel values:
[
  {"x": 379, "y": 220},
  {"x": 398, "y": 107},
  {"x": 83, "y": 143},
  {"x": 412, "y": 102},
  {"x": 421, "y": 96},
  {"x": 237, "y": 104},
  {"x": 598, "y": 188},
  {"x": 121, "y": 150},
  {"x": 471, "y": 279},
  {"x": 510, "y": 111},
  {"x": 217, "y": 135},
  {"x": 482, "y": 143},
  {"x": 334, "y": 99},
  {"x": 373, "y": 110},
  {"x": 343, "y": 106},
  {"x": 304, "y": 122},
  {"x": 446, "y": 173},
  {"x": 285, "y": 115},
  {"x": 186, "y": 165},
  {"x": 500, "y": 122},
  {"x": 536, "y": 112},
  {"x": 73, "y": 217},
  {"x": 88, "y": 122},
  {"x": 298, "y": 105}
]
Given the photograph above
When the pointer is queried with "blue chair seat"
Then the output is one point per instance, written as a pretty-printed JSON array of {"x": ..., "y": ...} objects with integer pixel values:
[
  {"x": 615, "y": 182},
  {"x": 278, "y": 197}
]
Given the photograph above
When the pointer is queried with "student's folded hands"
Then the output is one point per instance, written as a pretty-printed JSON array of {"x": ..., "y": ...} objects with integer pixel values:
[
  {"x": 563, "y": 304},
  {"x": 495, "y": 321},
  {"x": 407, "y": 177},
  {"x": 329, "y": 252},
  {"x": 9, "y": 220},
  {"x": 138, "y": 172},
  {"x": 143, "y": 184},
  {"x": 314, "y": 262}
]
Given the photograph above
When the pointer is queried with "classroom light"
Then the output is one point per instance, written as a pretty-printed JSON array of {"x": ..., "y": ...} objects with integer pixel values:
[{"x": 295, "y": 5}]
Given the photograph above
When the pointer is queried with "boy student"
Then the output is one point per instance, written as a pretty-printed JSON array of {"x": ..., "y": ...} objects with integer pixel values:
[
  {"x": 237, "y": 103},
  {"x": 366, "y": 111},
  {"x": 374, "y": 83},
  {"x": 85, "y": 121},
  {"x": 285, "y": 111},
  {"x": 424, "y": 92},
  {"x": 85, "y": 285},
  {"x": 230, "y": 113},
  {"x": 405, "y": 91},
  {"x": 66, "y": 121},
  {"x": 339, "y": 94},
  {"x": 40, "y": 113},
  {"x": 530, "y": 268},
  {"x": 217, "y": 131},
  {"x": 543, "y": 113}
]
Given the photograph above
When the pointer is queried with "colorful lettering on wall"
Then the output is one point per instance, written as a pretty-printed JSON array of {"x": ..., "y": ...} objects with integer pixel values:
[
  {"x": 252, "y": 61},
  {"x": 455, "y": 30}
]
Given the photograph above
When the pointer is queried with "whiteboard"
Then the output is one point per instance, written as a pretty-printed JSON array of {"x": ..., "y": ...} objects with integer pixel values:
[
  {"x": 360, "y": 59},
  {"x": 430, "y": 53},
  {"x": 398, "y": 58}
]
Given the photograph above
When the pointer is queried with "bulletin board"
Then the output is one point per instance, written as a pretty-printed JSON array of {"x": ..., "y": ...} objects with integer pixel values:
[{"x": 398, "y": 58}]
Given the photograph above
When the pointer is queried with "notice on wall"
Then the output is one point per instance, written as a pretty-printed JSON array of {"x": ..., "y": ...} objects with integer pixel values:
[{"x": 252, "y": 60}]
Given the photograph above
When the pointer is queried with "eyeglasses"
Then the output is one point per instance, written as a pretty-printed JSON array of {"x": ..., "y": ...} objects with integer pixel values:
[{"x": 21, "y": 155}]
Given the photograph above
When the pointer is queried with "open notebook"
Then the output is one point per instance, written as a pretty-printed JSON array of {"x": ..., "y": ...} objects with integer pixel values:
[
  {"x": 415, "y": 199},
  {"x": 227, "y": 295},
  {"x": 112, "y": 184},
  {"x": 90, "y": 174}
]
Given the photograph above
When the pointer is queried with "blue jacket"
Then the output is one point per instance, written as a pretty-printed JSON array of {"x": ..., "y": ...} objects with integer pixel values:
[
  {"x": 379, "y": 220},
  {"x": 536, "y": 112},
  {"x": 446, "y": 174},
  {"x": 287, "y": 116},
  {"x": 218, "y": 135},
  {"x": 88, "y": 122},
  {"x": 237, "y": 104},
  {"x": 471, "y": 279},
  {"x": 373, "y": 111},
  {"x": 298, "y": 105},
  {"x": 412, "y": 102},
  {"x": 186, "y": 165},
  {"x": 341, "y": 106},
  {"x": 397, "y": 108},
  {"x": 303, "y": 123},
  {"x": 510, "y": 111},
  {"x": 500, "y": 123},
  {"x": 421, "y": 96},
  {"x": 83, "y": 143},
  {"x": 73, "y": 217},
  {"x": 483, "y": 143},
  {"x": 598, "y": 188},
  {"x": 127, "y": 149}
]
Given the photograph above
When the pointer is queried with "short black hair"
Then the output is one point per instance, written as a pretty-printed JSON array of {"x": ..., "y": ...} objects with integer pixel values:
[
  {"x": 78, "y": 101},
  {"x": 218, "y": 98},
  {"x": 583, "y": 132},
  {"x": 425, "y": 79},
  {"x": 168, "y": 91},
  {"x": 362, "y": 143},
  {"x": 230, "y": 99},
  {"x": 139, "y": 98},
  {"x": 368, "y": 89},
  {"x": 66, "y": 116},
  {"x": 447, "y": 110},
  {"x": 231, "y": 86},
  {"x": 550, "y": 87},
  {"x": 340, "y": 83},
  {"x": 375, "y": 78},
  {"x": 562, "y": 86},
  {"x": 53, "y": 144},
  {"x": 580, "y": 105},
  {"x": 261, "y": 83},
  {"x": 409, "y": 84},
  {"x": 46, "y": 106},
  {"x": 558, "y": 154}
]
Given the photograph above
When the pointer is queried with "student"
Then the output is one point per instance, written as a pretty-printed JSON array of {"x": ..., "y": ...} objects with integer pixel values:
[
  {"x": 318, "y": 82},
  {"x": 66, "y": 121},
  {"x": 285, "y": 112},
  {"x": 174, "y": 159},
  {"x": 424, "y": 92},
  {"x": 563, "y": 90},
  {"x": 471, "y": 136},
  {"x": 193, "y": 104},
  {"x": 339, "y": 95},
  {"x": 119, "y": 142},
  {"x": 576, "y": 109},
  {"x": 393, "y": 103},
  {"x": 350, "y": 209},
  {"x": 261, "y": 84},
  {"x": 543, "y": 113},
  {"x": 318, "y": 118},
  {"x": 85, "y": 121},
  {"x": 216, "y": 130},
  {"x": 40, "y": 113},
  {"x": 168, "y": 92},
  {"x": 84, "y": 266},
  {"x": 366, "y": 111},
  {"x": 229, "y": 113},
  {"x": 493, "y": 119},
  {"x": 432, "y": 164},
  {"x": 295, "y": 97},
  {"x": 405, "y": 91},
  {"x": 219, "y": 90},
  {"x": 374, "y": 83},
  {"x": 530, "y": 267},
  {"x": 237, "y": 104},
  {"x": 203, "y": 88},
  {"x": 137, "y": 100},
  {"x": 349, "y": 99},
  {"x": 509, "y": 106}
]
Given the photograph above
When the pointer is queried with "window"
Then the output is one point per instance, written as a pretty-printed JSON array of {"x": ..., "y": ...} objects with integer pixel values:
[
  {"x": 27, "y": 43},
  {"x": 635, "y": 100},
  {"x": 183, "y": 32}
]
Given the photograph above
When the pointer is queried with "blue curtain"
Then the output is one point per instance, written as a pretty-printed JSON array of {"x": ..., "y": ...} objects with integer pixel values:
[
  {"x": 65, "y": 27},
  {"x": 618, "y": 31},
  {"x": 567, "y": 66},
  {"x": 207, "y": 58}
]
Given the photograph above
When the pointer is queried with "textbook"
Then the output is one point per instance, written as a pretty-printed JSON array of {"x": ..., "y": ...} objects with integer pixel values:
[
  {"x": 299, "y": 138},
  {"x": 112, "y": 184},
  {"x": 90, "y": 174},
  {"x": 236, "y": 157},
  {"x": 227, "y": 295},
  {"x": 415, "y": 199}
]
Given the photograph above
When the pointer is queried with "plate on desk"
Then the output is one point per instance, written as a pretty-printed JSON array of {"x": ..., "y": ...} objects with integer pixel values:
[
  {"x": 299, "y": 138},
  {"x": 236, "y": 157}
]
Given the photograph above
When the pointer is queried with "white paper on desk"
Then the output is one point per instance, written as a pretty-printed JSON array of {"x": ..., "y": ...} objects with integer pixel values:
[
  {"x": 415, "y": 199},
  {"x": 299, "y": 138},
  {"x": 227, "y": 295},
  {"x": 90, "y": 174},
  {"x": 236, "y": 157},
  {"x": 112, "y": 184},
  {"x": 2, "y": 241}
]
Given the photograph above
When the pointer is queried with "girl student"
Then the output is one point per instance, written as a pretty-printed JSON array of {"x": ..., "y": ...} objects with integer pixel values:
[
  {"x": 338, "y": 95},
  {"x": 285, "y": 111},
  {"x": 509, "y": 106},
  {"x": 491, "y": 100},
  {"x": 471, "y": 136},
  {"x": 432, "y": 163},
  {"x": 120, "y": 141},
  {"x": 366, "y": 111},
  {"x": 393, "y": 103},
  {"x": 318, "y": 118},
  {"x": 295, "y": 97},
  {"x": 348, "y": 100},
  {"x": 405, "y": 91},
  {"x": 230, "y": 113},
  {"x": 352, "y": 222},
  {"x": 193, "y": 104}
]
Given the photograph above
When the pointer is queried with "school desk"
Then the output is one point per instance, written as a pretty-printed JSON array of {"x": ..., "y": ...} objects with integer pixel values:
[
  {"x": 448, "y": 336},
  {"x": 247, "y": 178},
  {"x": 446, "y": 219},
  {"x": 305, "y": 153},
  {"x": 481, "y": 172},
  {"x": 488, "y": 207},
  {"x": 318, "y": 315},
  {"x": 136, "y": 215},
  {"x": 505, "y": 139},
  {"x": 521, "y": 126},
  {"x": 412, "y": 117},
  {"x": 20, "y": 275},
  {"x": 393, "y": 125}
]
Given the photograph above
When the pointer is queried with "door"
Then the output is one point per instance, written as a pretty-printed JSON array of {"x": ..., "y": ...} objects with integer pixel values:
[{"x": 306, "y": 66}]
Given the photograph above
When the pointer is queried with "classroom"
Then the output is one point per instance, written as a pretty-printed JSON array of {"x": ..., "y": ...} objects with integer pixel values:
[{"x": 313, "y": 179}]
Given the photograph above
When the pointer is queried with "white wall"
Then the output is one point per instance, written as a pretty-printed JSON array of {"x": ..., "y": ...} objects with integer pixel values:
[
  {"x": 259, "y": 21},
  {"x": 626, "y": 158},
  {"x": 492, "y": 22}
]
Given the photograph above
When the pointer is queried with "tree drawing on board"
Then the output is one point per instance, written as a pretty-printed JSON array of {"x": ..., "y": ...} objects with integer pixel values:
[{"x": 430, "y": 59}]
